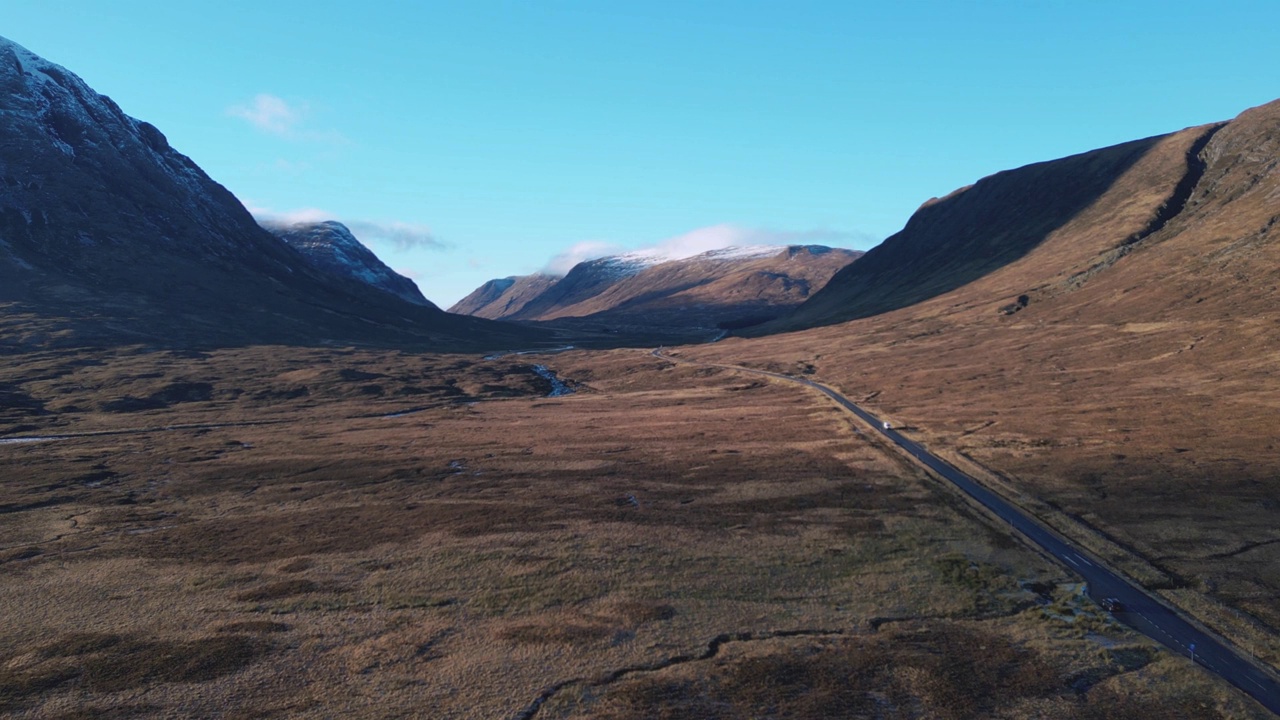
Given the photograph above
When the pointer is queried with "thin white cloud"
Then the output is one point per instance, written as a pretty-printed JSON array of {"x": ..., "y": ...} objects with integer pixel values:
[
  {"x": 706, "y": 239},
  {"x": 400, "y": 235},
  {"x": 580, "y": 252},
  {"x": 276, "y": 116},
  {"x": 290, "y": 167},
  {"x": 851, "y": 239},
  {"x": 718, "y": 237},
  {"x": 404, "y": 236},
  {"x": 270, "y": 114},
  {"x": 302, "y": 216}
]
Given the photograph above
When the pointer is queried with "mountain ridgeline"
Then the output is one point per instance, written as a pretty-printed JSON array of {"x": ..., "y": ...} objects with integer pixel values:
[
  {"x": 709, "y": 292},
  {"x": 1179, "y": 208},
  {"x": 109, "y": 235}
]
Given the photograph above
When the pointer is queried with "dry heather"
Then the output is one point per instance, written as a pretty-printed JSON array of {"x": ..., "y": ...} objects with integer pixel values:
[
  {"x": 1154, "y": 445},
  {"x": 273, "y": 532},
  {"x": 944, "y": 670}
]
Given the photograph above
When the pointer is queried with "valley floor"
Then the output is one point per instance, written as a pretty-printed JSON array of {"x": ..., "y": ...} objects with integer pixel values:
[{"x": 296, "y": 532}]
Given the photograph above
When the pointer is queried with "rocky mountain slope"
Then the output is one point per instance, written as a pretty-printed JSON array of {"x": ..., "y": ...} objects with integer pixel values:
[
  {"x": 330, "y": 246},
  {"x": 108, "y": 234},
  {"x": 717, "y": 289}
]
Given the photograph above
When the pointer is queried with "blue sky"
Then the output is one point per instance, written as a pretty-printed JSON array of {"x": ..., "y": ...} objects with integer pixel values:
[{"x": 469, "y": 140}]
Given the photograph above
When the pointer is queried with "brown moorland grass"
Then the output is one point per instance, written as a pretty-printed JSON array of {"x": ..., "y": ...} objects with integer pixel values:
[
  {"x": 344, "y": 558},
  {"x": 945, "y": 670},
  {"x": 1156, "y": 450}
]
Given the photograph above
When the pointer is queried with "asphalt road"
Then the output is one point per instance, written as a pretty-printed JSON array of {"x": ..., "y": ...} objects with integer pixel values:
[{"x": 1141, "y": 611}]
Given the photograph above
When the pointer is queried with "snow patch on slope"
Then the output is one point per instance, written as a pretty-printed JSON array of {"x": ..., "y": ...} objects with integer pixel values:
[
  {"x": 743, "y": 252},
  {"x": 633, "y": 263}
]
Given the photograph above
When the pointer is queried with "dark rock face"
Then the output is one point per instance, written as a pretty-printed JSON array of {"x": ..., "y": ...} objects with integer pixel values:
[
  {"x": 330, "y": 246},
  {"x": 109, "y": 235}
]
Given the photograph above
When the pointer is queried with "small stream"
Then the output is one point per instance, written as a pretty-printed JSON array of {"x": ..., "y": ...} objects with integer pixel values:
[{"x": 558, "y": 388}]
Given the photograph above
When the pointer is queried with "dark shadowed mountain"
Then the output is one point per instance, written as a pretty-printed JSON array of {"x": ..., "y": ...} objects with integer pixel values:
[
  {"x": 330, "y": 246},
  {"x": 108, "y": 234},
  {"x": 715, "y": 290}
]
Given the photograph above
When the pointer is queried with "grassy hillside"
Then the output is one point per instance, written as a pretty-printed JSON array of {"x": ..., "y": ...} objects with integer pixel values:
[{"x": 1131, "y": 397}]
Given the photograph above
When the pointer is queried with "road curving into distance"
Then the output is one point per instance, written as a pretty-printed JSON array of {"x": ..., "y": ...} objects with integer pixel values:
[{"x": 1140, "y": 609}]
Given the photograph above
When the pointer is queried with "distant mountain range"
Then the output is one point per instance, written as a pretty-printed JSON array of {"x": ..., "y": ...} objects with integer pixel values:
[
  {"x": 108, "y": 234},
  {"x": 720, "y": 289}
]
